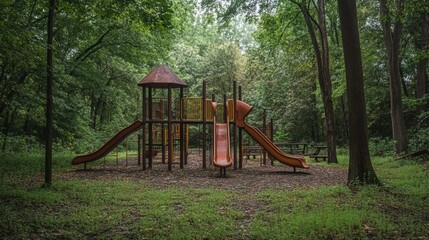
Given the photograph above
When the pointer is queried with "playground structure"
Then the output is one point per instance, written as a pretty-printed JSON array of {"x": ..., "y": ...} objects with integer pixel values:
[{"x": 164, "y": 125}]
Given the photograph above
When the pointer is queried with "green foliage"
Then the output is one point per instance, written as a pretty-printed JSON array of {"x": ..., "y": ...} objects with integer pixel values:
[
  {"x": 380, "y": 146},
  {"x": 100, "y": 49}
]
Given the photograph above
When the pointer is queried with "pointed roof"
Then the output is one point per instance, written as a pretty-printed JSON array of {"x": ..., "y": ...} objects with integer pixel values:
[{"x": 161, "y": 77}]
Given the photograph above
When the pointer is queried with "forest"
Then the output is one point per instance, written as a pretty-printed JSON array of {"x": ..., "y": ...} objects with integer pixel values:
[
  {"x": 103, "y": 48},
  {"x": 351, "y": 75}
]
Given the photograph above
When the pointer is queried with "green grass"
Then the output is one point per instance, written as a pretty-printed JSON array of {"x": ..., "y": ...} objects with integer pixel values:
[
  {"x": 85, "y": 209},
  {"x": 322, "y": 213},
  {"x": 123, "y": 209}
]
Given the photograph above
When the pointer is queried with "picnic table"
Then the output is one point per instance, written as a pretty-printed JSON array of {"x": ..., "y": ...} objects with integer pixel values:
[
  {"x": 252, "y": 151},
  {"x": 293, "y": 147},
  {"x": 317, "y": 152}
]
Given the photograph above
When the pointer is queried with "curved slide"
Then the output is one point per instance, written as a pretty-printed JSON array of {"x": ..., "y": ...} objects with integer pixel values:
[
  {"x": 243, "y": 109},
  {"x": 109, "y": 145}
]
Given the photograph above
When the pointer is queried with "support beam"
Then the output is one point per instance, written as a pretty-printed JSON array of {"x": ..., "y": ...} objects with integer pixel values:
[
  {"x": 234, "y": 89},
  {"x": 144, "y": 128},
  {"x": 170, "y": 130},
  {"x": 181, "y": 129},
  {"x": 150, "y": 128},
  {"x": 240, "y": 137},
  {"x": 204, "y": 125}
]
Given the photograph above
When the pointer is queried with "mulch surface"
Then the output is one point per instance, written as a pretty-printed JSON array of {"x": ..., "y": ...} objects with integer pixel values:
[{"x": 251, "y": 178}]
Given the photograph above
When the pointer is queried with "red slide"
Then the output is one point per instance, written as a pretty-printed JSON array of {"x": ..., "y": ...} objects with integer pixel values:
[
  {"x": 221, "y": 143},
  {"x": 243, "y": 109},
  {"x": 110, "y": 145}
]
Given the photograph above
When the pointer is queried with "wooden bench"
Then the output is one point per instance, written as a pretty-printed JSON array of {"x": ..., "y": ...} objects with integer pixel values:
[
  {"x": 316, "y": 154},
  {"x": 252, "y": 151}
]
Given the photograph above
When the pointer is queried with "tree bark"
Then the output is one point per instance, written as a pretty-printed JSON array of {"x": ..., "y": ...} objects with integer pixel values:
[
  {"x": 360, "y": 167},
  {"x": 322, "y": 56},
  {"x": 49, "y": 95},
  {"x": 392, "y": 39}
]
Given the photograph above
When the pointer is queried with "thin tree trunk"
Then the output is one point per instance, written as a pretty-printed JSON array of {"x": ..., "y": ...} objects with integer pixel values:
[
  {"x": 315, "y": 118},
  {"x": 346, "y": 124},
  {"x": 26, "y": 127},
  {"x": 329, "y": 106},
  {"x": 322, "y": 57},
  {"x": 7, "y": 125},
  {"x": 360, "y": 167},
  {"x": 49, "y": 95},
  {"x": 392, "y": 39},
  {"x": 403, "y": 84}
]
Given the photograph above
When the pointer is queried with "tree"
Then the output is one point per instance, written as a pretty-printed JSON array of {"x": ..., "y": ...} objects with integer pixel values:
[
  {"x": 392, "y": 32},
  {"x": 360, "y": 167},
  {"x": 49, "y": 95},
  {"x": 222, "y": 65},
  {"x": 321, "y": 52}
]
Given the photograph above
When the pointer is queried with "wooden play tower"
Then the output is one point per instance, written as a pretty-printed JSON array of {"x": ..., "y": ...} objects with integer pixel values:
[{"x": 160, "y": 77}]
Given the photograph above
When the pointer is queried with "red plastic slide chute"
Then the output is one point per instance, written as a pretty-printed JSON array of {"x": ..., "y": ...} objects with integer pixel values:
[
  {"x": 110, "y": 145},
  {"x": 243, "y": 109},
  {"x": 221, "y": 143}
]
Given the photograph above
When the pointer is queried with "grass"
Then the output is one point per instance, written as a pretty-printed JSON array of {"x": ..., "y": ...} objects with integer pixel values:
[{"x": 122, "y": 209}]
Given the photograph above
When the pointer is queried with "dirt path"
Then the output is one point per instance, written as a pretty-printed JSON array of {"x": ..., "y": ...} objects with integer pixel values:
[{"x": 252, "y": 178}]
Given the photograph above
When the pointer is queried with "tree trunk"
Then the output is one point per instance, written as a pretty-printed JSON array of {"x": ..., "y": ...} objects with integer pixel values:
[
  {"x": 314, "y": 117},
  {"x": 392, "y": 39},
  {"x": 422, "y": 77},
  {"x": 322, "y": 57},
  {"x": 8, "y": 126},
  {"x": 360, "y": 167},
  {"x": 49, "y": 95},
  {"x": 26, "y": 127},
  {"x": 327, "y": 89},
  {"x": 10, "y": 91}
]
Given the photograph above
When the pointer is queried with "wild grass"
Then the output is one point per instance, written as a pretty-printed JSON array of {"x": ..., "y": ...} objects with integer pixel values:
[{"x": 125, "y": 209}]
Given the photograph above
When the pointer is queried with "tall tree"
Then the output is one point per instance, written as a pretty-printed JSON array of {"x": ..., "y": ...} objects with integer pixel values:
[
  {"x": 321, "y": 52},
  {"x": 360, "y": 167},
  {"x": 392, "y": 32},
  {"x": 49, "y": 95}
]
